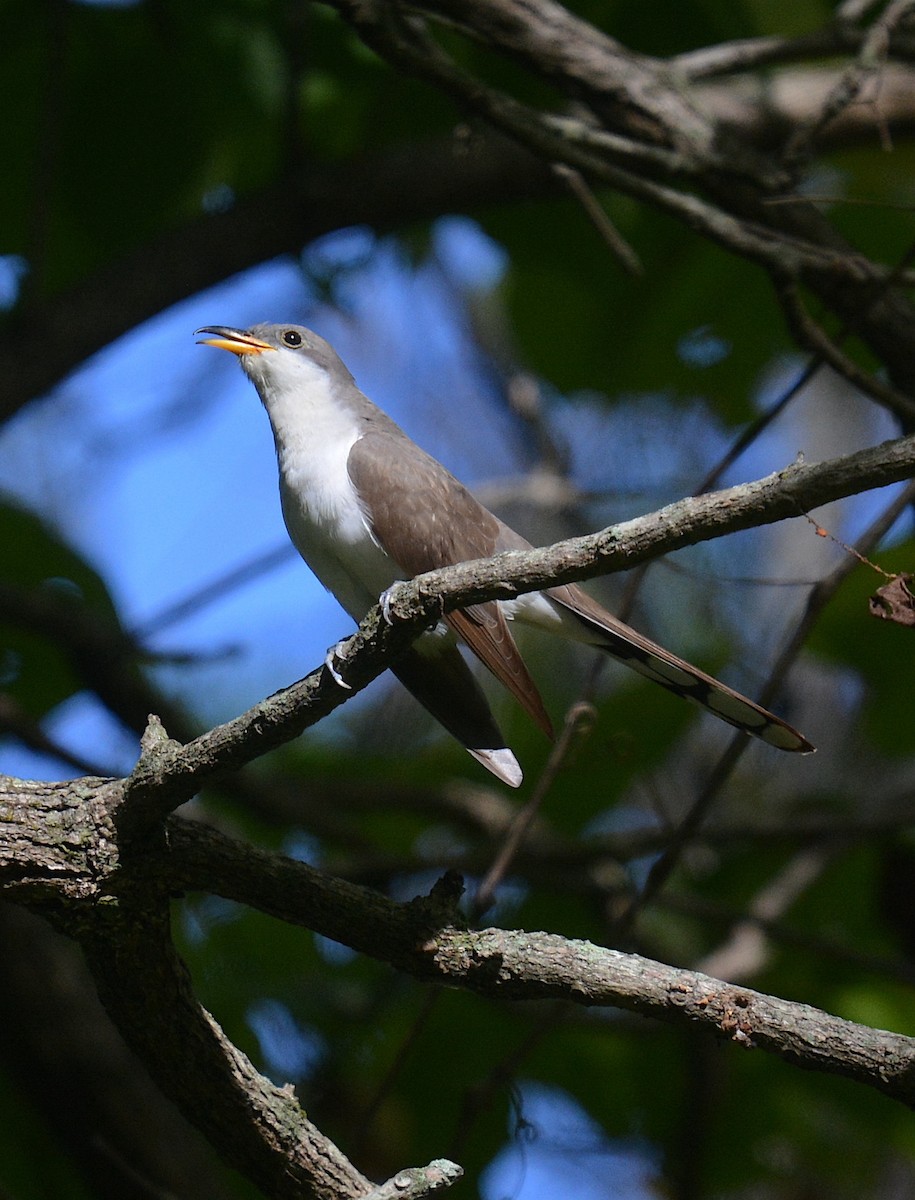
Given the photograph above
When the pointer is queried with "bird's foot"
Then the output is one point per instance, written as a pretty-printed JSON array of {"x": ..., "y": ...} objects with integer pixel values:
[
  {"x": 334, "y": 655},
  {"x": 386, "y": 598}
]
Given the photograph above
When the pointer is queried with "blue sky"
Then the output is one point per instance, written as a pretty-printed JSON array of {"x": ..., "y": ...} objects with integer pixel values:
[{"x": 556, "y": 1149}]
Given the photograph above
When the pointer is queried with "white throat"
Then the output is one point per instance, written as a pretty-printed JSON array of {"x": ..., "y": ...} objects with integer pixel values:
[
  {"x": 308, "y": 419},
  {"x": 314, "y": 430}
]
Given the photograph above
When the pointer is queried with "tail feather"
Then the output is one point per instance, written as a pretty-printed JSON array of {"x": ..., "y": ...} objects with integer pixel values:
[
  {"x": 441, "y": 681},
  {"x": 678, "y": 676}
]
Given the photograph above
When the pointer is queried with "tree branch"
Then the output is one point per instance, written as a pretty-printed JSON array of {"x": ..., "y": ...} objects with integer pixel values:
[
  {"x": 420, "y": 938},
  {"x": 749, "y": 54},
  {"x": 641, "y": 99},
  {"x": 258, "y": 1127},
  {"x": 385, "y": 190},
  {"x": 416, "y": 181},
  {"x": 58, "y": 843}
]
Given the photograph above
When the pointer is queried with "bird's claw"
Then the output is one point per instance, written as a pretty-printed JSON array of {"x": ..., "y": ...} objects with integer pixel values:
[
  {"x": 385, "y": 601},
  {"x": 334, "y": 654}
]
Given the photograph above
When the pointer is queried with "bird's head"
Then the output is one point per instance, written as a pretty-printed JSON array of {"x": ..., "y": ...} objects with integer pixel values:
[{"x": 284, "y": 356}]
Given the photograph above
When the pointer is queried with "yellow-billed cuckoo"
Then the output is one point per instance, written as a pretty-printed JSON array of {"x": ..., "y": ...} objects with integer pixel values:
[{"x": 366, "y": 507}]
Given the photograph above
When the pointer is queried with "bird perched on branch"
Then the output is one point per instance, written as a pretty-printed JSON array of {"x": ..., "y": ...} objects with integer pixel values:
[{"x": 366, "y": 507}]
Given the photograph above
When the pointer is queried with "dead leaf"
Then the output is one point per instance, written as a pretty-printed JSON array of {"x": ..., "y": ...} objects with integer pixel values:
[{"x": 895, "y": 601}]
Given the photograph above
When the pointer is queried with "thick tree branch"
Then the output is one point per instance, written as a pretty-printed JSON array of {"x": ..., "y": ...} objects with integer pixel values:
[
  {"x": 65, "y": 1046},
  {"x": 516, "y": 965},
  {"x": 419, "y": 938},
  {"x": 58, "y": 839},
  {"x": 765, "y": 109},
  {"x": 641, "y": 99},
  {"x": 384, "y": 190},
  {"x": 107, "y": 661},
  {"x": 413, "y": 182},
  {"x": 579, "y": 59},
  {"x": 259, "y": 1128}
]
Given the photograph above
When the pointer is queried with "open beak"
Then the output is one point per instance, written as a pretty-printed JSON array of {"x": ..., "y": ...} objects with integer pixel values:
[{"x": 234, "y": 340}]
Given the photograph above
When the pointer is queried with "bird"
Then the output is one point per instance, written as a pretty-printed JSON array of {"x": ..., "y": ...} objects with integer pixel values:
[{"x": 366, "y": 507}]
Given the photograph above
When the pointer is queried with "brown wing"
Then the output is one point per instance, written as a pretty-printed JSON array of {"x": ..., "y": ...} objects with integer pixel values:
[
  {"x": 424, "y": 518},
  {"x": 485, "y": 630}
]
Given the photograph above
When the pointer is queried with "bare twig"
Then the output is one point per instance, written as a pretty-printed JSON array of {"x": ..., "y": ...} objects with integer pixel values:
[
  {"x": 229, "y": 582},
  {"x": 870, "y": 57},
  {"x": 597, "y": 214},
  {"x": 745, "y": 952},
  {"x": 814, "y": 338},
  {"x": 17, "y": 723},
  {"x": 749, "y": 54},
  {"x": 413, "y": 1183},
  {"x": 407, "y": 1044},
  {"x": 481, "y": 1095},
  {"x": 780, "y": 932},
  {"x": 819, "y": 597},
  {"x": 745, "y": 438},
  {"x": 854, "y": 10},
  {"x": 579, "y": 717}
]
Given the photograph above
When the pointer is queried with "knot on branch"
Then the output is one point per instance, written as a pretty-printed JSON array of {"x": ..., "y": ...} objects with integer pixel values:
[
  {"x": 412, "y": 1183},
  {"x": 440, "y": 909}
]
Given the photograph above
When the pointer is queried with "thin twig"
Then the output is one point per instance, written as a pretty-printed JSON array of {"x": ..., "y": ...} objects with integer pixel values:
[
  {"x": 765, "y": 419},
  {"x": 210, "y": 593},
  {"x": 579, "y": 719},
  {"x": 478, "y": 1098},
  {"x": 870, "y": 57},
  {"x": 414, "y": 1183},
  {"x": 814, "y": 338},
  {"x": 745, "y": 951},
  {"x": 364, "y": 1123},
  {"x": 749, "y": 54},
  {"x": 819, "y": 597},
  {"x": 597, "y": 214},
  {"x": 854, "y": 10},
  {"x": 16, "y": 722},
  {"x": 745, "y": 438},
  {"x": 826, "y": 948}
]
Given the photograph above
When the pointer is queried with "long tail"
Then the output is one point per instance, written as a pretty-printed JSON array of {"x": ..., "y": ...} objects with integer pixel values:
[{"x": 678, "y": 676}]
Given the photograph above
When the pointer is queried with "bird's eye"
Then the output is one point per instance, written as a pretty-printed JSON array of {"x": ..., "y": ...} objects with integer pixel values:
[{"x": 292, "y": 337}]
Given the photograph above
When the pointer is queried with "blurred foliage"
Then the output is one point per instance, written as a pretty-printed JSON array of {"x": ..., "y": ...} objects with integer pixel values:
[
  {"x": 33, "y": 1164},
  {"x": 36, "y": 672},
  {"x": 882, "y": 658},
  {"x": 124, "y": 122}
]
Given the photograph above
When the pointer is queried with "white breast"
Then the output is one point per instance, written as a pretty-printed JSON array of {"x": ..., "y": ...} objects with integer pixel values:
[{"x": 314, "y": 434}]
